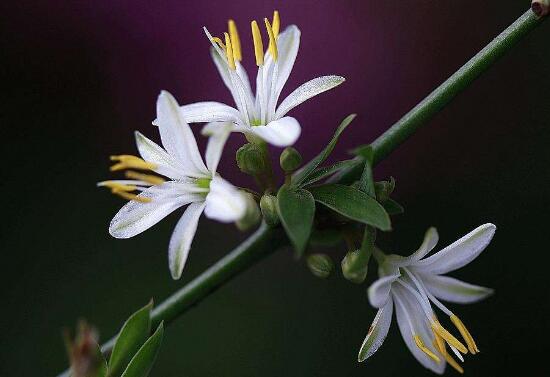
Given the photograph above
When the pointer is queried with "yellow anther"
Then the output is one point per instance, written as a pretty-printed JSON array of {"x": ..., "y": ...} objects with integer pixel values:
[
  {"x": 276, "y": 24},
  {"x": 438, "y": 342},
  {"x": 130, "y": 196},
  {"x": 272, "y": 42},
  {"x": 131, "y": 162},
  {"x": 149, "y": 178},
  {"x": 425, "y": 349},
  {"x": 229, "y": 52},
  {"x": 449, "y": 338},
  {"x": 472, "y": 346},
  {"x": 258, "y": 45},
  {"x": 219, "y": 42},
  {"x": 116, "y": 187},
  {"x": 235, "y": 40}
]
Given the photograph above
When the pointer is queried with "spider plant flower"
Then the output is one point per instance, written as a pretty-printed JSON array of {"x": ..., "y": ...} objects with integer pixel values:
[
  {"x": 258, "y": 116},
  {"x": 189, "y": 181},
  {"x": 415, "y": 285}
]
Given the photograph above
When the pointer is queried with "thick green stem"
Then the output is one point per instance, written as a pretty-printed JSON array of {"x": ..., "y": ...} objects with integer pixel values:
[{"x": 266, "y": 240}]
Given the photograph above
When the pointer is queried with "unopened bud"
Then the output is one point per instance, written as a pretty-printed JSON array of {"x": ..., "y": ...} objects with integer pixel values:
[
  {"x": 290, "y": 159},
  {"x": 251, "y": 159},
  {"x": 384, "y": 189},
  {"x": 320, "y": 265},
  {"x": 251, "y": 216},
  {"x": 268, "y": 205},
  {"x": 84, "y": 353},
  {"x": 354, "y": 268}
]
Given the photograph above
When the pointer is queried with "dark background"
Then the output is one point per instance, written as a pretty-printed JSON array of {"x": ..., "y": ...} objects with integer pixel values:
[{"x": 78, "y": 77}]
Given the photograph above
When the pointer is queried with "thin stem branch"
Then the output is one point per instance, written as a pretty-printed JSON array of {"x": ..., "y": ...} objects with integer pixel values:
[{"x": 266, "y": 240}]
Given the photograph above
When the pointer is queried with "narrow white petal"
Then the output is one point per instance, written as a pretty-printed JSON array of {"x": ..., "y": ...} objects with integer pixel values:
[
  {"x": 459, "y": 253},
  {"x": 412, "y": 321},
  {"x": 177, "y": 137},
  {"x": 288, "y": 44},
  {"x": 280, "y": 133},
  {"x": 215, "y": 145},
  {"x": 224, "y": 202},
  {"x": 306, "y": 91},
  {"x": 454, "y": 290},
  {"x": 203, "y": 112},
  {"x": 379, "y": 291},
  {"x": 377, "y": 332},
  {"x": 152, "y": 152},
  {"x": 136, "y": 217},
  {"x": 182, "y": 237},
  {"x": 430, "y": 240}
]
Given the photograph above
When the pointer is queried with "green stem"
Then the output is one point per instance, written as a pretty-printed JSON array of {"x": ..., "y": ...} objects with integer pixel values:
[{"x": 266, "y": 240}]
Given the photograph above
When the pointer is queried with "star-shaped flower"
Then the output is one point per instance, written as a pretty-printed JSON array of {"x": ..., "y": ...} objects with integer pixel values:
[{"x": 412, "y": 284}]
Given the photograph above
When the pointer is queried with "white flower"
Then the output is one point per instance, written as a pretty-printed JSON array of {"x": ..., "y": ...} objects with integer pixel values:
[
  {"x": 413, "y": 284},
  {"x": 257, "y": 116},
  {"x": 191, "y": 182}
]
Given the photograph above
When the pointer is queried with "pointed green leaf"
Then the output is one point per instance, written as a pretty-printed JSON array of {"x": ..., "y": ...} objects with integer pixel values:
[
  {"x": 392, "y": 207},
  {"x": 366, "y": 183},
  {"x": 143, "y": 361},
  {"x": 324, "y": 172},
  {"x": 296, "y": 209},
  {"x": 303, "y": 173},
  {"x": 133, "y": 334},
  {"x": 353, "y": 204}
]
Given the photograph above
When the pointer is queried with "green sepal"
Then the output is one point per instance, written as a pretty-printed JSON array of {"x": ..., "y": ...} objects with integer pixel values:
[
  {"x": 320, "y": 265},
  {"x": 392, "y": 207},
  {"x": 353, "y": 204},
  {"x": 296, "y": 208},
  {"x": 143, "y": 361},
  {"x": 133, "y": 334}
]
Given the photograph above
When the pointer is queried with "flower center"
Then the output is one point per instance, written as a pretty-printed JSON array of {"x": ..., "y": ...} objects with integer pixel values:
[{"x": 203, "y": 183}]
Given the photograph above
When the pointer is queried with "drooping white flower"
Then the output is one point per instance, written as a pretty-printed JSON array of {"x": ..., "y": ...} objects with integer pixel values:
[
  {"x": 191, "y": 182},
  {"x": 412, "y": 284},
  {"x": 258, "y": 116}
]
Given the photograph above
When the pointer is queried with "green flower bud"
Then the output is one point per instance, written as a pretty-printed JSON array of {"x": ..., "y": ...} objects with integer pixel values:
[
  {"x": 290, "y": 159},
  {"x": 320, "y": 265},
  {"x": 354, "y": 268},
  {"x": 251, "y": 159},
  {"x": 268, "y": 205},
  {"x": 251, "y": 216}
]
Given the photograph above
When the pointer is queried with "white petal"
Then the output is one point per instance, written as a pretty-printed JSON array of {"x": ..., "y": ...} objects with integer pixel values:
[
  {"x": 152, "y": 152},
  {"x": 453, "y": 290},
  {"x": 136, "y": 217},
  {"x": 280, "y": 133},
  {"x": 306, "y": 91},
  {"x": 430, "y": 240},
  {"x": 182, "y": 237},
  {"x": 202, "y": 112},
  {"x": 215, "y": 145},
  {"x": 379, "y": 291},
  {"x": 377, "y": 332},
  {"x": 411, "y": 320},
  {"x": 224, "y": 202},
  {"x": 288, "y": 44},
  {"x": 460, "y": 253},
  {"x": 176, "y": 136}
]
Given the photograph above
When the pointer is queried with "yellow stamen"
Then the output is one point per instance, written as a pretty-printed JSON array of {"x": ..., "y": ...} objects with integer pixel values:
[
  {"x": 425, "y": 349},
  {"x": 115, "y": 186},
  {"x": 472, "y": 346},
  {"x": 449, "y": 338},
  {"x": 229, "y": 52},
  {"x": 219, "y": 42},
  {"x": 272, "y": 42},
  {"x": 131, "y": 162},
  {"x": 125, "y": 191},
  {"x": 438, "y": 343},
  {"x": 130, "y": 196},
  {"x": 258, "y": 45},
  {"x": 149, "y": 178},
  {"x": 276, "y": 23},
  {"x": 235, "y": 40}
]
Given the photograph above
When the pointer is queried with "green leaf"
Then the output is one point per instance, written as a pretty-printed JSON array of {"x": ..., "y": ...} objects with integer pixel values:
[
  {"x": 143, "y": 361},
  {"x": 321, "y": 173},
  {"x": 366, "y": 183},
  {"x": 303, "y": 173},
  {"x": 392, "y": 207},
  {"x": 296, "y": 209},
  {"x": 133, "y": 334},
  {"x": 353, "y": 204}
]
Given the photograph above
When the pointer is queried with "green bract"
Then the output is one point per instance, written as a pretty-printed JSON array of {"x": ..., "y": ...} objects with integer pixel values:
[{"x": 296, "y": 209}]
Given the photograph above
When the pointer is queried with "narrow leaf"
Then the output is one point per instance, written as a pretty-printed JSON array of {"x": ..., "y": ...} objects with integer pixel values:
[
  {"x": 392, "y": 207},
  {"x": 321, "y": 173},
  {"x": 303, "y": 173},
  {"x": 366, "y": 183},
  {"x": 133, "y": 334},
  {"x": 296, "y": 209},
  {"x": 353, "y": 204},
  {"x": 143, "y": 361}
]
